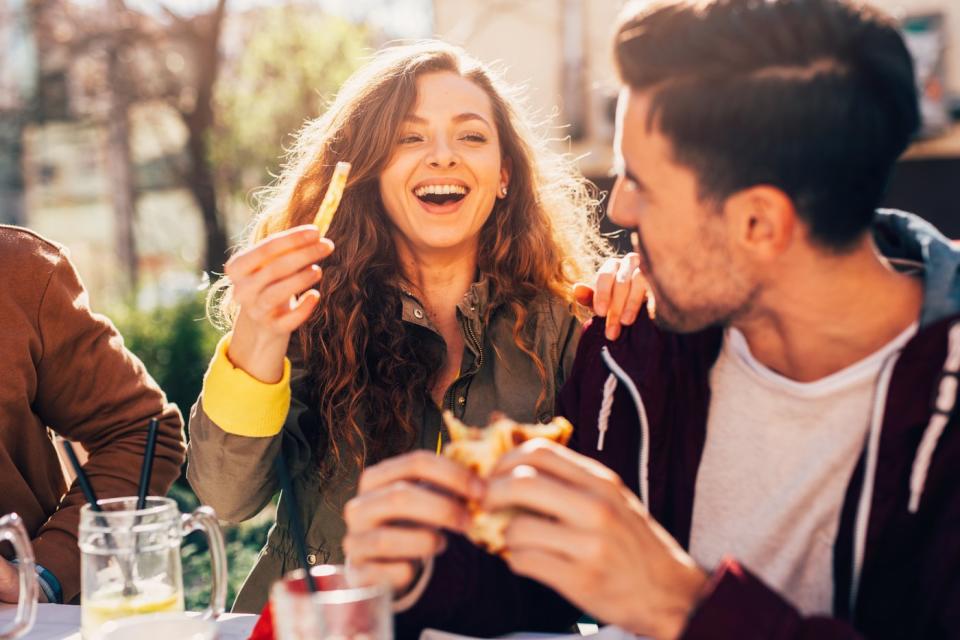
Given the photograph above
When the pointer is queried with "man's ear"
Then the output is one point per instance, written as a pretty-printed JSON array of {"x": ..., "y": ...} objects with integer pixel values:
[{"x": 762, "y": 220}]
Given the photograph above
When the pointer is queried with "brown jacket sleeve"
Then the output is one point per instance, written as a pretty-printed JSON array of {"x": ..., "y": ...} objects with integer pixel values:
[{"x": 92, "y": 390}]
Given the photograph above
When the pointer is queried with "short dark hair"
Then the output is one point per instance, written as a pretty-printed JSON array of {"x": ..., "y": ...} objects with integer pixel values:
[{"x": 815, "y": 97}]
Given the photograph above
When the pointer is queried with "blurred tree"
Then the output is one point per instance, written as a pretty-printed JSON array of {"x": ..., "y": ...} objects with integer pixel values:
[
  {"x": 192, "y": 97},
  {"x": 17, "y": 87},
  {"x": 117, "y": 54},
  {"x": 295, "y": 58}
]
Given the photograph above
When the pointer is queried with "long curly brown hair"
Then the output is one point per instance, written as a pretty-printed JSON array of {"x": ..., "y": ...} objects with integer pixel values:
[{"x": 368, "y": 375}]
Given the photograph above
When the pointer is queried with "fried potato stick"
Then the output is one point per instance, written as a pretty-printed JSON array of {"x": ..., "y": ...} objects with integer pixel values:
[{"x": 331, "y": 200}]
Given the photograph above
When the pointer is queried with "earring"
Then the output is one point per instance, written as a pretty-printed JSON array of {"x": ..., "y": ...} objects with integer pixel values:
[{"x": 503, "y": 191}]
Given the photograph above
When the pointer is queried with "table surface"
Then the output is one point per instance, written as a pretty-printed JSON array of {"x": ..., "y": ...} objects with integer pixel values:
[{"x": 62, "y": 622}]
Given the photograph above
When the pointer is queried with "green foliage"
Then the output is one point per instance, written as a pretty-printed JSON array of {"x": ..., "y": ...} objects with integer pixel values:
[
  {"x": 243, "y": 543},
  {"x": 294, "y": 61},
  {"x": 176, "y": 343}
]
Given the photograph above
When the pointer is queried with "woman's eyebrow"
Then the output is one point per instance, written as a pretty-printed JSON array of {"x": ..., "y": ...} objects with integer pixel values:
[{"x": 463, "y": 117}]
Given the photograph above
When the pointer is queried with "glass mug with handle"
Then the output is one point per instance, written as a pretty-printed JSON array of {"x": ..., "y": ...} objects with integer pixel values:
[
  {"x": 13, "y": 531},
  {"x": 130, "y": 560}
]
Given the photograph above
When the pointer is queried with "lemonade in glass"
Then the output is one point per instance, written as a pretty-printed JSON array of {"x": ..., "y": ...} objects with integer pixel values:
[{"x": 130, "y": 560}]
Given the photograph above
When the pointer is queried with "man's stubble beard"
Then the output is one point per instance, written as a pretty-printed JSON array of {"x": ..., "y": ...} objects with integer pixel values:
[{"x": 668, "y": 315}]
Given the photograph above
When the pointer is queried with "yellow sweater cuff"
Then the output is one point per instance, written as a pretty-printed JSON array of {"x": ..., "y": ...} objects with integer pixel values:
[{"x": 240, "y": 404}]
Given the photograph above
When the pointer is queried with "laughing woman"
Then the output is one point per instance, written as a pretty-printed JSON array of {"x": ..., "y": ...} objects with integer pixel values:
[{"x": 446, "y": 283}]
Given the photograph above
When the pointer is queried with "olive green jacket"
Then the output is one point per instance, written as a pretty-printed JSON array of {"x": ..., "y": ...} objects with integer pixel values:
[{"x": 234, "y": 474}]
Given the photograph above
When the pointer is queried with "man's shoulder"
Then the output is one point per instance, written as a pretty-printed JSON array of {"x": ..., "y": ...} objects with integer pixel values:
[
  {"x": 644, "y": 334},
  {"x": 26, "y": 252}
]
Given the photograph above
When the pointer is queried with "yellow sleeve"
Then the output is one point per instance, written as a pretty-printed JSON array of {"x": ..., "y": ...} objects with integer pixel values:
[{"x": 240, "y": 404}]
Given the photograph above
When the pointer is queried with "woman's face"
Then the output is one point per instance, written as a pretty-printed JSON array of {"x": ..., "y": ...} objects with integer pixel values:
[{"x": 446, "y": 170}]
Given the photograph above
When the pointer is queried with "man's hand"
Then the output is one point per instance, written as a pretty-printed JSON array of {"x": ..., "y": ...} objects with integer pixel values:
[
  {"x": 398, "y": 517},
  {"x": 10, "y": 583},
  {"x": 586, "y": 535},
  {"x": 616, "y": 293}
]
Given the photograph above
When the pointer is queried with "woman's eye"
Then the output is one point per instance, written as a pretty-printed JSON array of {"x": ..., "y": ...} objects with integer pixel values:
[
  {"x": 410, "y": 138},
  {"x": 474, "y": 137}
]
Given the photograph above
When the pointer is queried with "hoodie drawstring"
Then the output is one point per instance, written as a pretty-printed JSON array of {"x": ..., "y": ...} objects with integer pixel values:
[
  {"x": 603, "y": 420},
  {"x": 942, "y": 408},
  {"x": 625, "y": 380},
  {"x": 869, "y": 474}
]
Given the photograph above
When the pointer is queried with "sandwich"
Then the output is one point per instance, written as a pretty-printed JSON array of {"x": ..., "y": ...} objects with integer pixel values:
[{"x": 479, "y": 449}]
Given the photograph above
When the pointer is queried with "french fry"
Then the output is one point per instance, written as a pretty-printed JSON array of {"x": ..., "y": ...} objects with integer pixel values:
[{"x": 331, "y": 199}]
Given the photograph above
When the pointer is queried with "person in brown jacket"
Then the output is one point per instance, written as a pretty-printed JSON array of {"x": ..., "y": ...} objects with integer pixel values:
[{"x": 64, "y": 370}]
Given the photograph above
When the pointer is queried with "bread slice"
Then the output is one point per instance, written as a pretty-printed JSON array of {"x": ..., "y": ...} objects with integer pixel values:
[{"x": 480, "y": 448}]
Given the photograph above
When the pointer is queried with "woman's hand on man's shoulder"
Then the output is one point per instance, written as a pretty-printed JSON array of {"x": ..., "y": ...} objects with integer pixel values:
[{"x": 616, "y": 293}]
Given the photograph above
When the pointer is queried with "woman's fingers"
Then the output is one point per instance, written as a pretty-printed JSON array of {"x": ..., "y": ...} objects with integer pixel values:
[
  {"x": 603, "y": 286},
  {"x": 254, "y": 258},
  {"x": 299, "y": 312},
  {"x": 276, "y": 298},
  {"x": 620, "y": 293},
  {"x": 638, "y": 293},
  {"x": 281, "y": 268},
  {"x": 583, "y": 294}
]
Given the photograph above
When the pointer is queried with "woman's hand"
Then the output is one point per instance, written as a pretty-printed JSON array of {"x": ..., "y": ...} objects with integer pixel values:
[
  {"x": 616, "y": 293},
  {"x": 401, "y": 510},
  {"x": 272, "y": 283}
]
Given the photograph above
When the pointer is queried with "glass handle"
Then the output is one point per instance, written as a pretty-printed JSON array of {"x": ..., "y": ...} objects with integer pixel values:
[
  {"x": 204, "y": 519},
  {"x": 12, "y": 530}
]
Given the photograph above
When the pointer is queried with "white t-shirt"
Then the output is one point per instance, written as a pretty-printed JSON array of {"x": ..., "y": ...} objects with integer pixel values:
[{"x": 776, "y": 463}]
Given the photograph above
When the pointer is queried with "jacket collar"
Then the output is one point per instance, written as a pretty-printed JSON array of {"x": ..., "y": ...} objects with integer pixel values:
[{"x": 472, "y": 307}]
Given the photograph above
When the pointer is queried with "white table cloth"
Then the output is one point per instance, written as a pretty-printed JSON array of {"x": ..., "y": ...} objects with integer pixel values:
[{"x": 62, "y": 622}]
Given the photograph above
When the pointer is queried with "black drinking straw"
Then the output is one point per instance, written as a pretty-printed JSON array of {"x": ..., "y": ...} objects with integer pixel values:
[
  {"x": 147, "y": 467},
  {"x": 286, "y": 486},
  {"x": 128, "y": 587},
  {"x": 82, "y": 479}
]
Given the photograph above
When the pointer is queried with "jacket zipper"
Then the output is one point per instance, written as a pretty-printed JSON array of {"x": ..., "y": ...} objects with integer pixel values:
[
  {"x": 479, "y": 347},
  {"x": 476, "y": 343}
]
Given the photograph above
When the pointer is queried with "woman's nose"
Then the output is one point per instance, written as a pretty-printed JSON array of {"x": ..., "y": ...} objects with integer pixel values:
[{"x": 441, "y": 156}]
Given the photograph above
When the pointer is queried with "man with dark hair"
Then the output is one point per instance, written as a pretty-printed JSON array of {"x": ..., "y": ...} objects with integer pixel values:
[{"x": 772, "y": 453}]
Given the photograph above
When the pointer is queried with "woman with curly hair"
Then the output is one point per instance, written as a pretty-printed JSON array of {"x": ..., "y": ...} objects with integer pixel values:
[{"x": 446, "y": 283}]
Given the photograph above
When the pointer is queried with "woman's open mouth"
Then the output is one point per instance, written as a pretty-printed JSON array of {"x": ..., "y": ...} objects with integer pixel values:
[{"x": 441, "y": 198}]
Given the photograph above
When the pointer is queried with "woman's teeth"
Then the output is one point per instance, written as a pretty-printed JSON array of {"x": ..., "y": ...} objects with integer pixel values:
[
  {"x": 441, "y": 194},
  {"x": 440, "y": 190}
]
